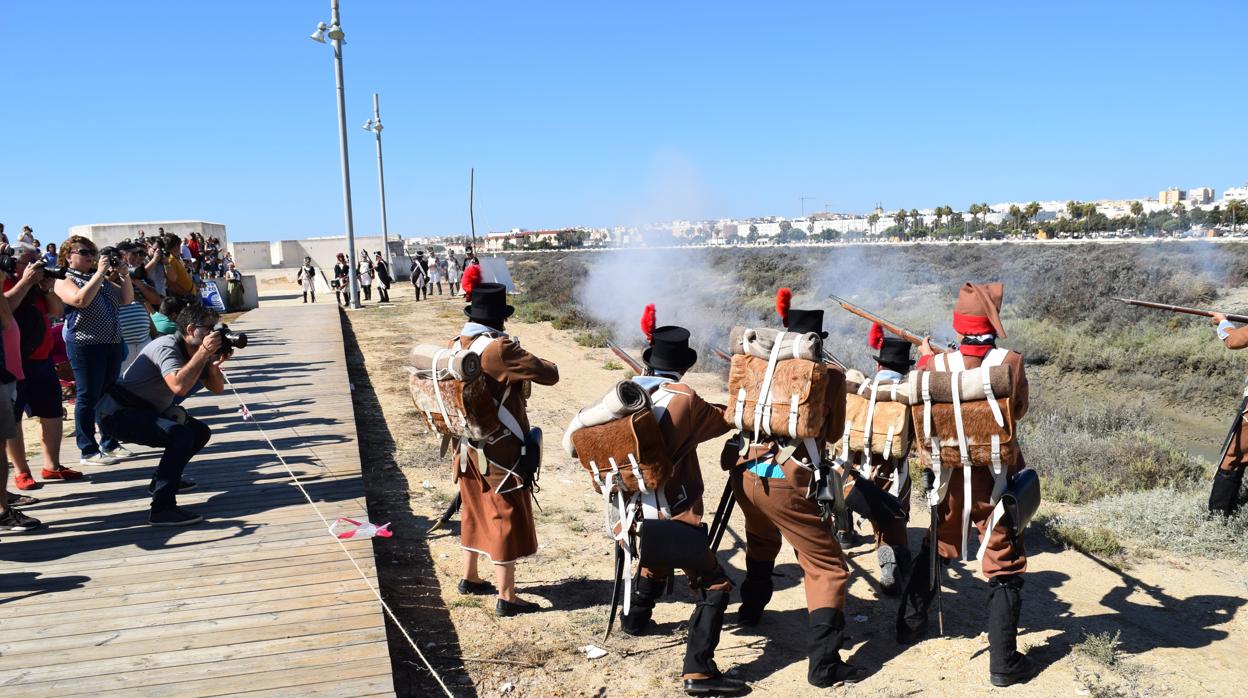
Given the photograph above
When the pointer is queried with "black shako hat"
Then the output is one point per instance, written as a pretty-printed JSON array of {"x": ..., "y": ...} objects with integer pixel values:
[
  {"x": 895, "y": 354},
  {"x": 669, "y": 350},
  {"x": 489, "y": 302},
  {"x": 804, "y": 321}
]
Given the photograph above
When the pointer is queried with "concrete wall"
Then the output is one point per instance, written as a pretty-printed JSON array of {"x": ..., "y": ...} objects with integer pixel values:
[
  {"x": 251, "y": 295},
  {"x": 112, "y": 233},
  {"x": 324, "y": 251},
  {"x": 252, "y": 255}
]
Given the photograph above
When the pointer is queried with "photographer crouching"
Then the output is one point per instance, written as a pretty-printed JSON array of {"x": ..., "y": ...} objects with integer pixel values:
[{"x": 140, "y": 407}]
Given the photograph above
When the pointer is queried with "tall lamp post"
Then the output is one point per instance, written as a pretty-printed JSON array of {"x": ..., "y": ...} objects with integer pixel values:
[
  {"x": 334, "y": 32},
  {"x": 374, "y": 125}
]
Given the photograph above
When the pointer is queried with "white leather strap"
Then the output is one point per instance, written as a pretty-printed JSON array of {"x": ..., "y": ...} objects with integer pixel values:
[
  {"x": 764, "y": 391},
  {"x": 927, "y": 404}
]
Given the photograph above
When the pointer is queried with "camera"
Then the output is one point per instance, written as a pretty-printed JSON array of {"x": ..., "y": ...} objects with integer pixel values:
[
  {"x": 8, "y": 264},
  {"x": 112, "y": 254},
  {"x": 50, "y": 272},
  {"x": 230, "y": 340}
]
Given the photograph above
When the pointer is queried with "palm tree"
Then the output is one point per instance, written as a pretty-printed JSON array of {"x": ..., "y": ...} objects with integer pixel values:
[
  {"x": 918, "y": 221},
  {"x": 872, "y": 220},
  {"x": 900, "y": 219},
  {"x": 1016, "y": 214},
  {"x": 1235, "y": 207},
  {"x": 1032, "y": 210},
  {"x": 1074, "y": 209},
  {"x": 974, "y": 210},
  {"x": 1137, "y": 210},
  {"x": 938, "y": 214}
]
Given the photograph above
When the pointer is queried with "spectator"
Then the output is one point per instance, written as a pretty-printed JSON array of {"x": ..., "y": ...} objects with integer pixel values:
[
  {"x": 185, "y": 251},
  {"x": 163, "y": 319},
  {"x": 342, "y": 281},
  {"x": 178, "y": 280},
  {"x": 141, "y": 409},
  {"x": 452, "y": 273},
  {"x": 27, "y": 236},
  {"x": 49, "y": 255},
  {"x": 136, "y": 317},
  {"x": 234, "y": 288},
  {"x": 93, "y": 337},
  {"x": 364, "y": 270},
  {"x": 306, "y": 277},
  {"x": 32, "y": 301},
  {"x": 420, "y": 274},
  {"x": 11, "y": 519},
  {"x": 383, "y": 278}
]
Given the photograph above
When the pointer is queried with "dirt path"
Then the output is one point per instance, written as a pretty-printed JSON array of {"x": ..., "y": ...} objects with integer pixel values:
[{"x": 1180, "y": 620}]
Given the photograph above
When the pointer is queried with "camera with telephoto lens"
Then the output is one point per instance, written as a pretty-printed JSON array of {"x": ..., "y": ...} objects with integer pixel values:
[
  {"x": 230, "y": 340},
  {"x": 8, "y": 264},
  {"x": 49, "y": 272}
]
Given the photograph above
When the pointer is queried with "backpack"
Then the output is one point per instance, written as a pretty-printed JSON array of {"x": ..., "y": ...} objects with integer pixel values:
[
  {"x": 877, "y": 420},
  {"x": 448, "y": 387},
  {"x": 618, "y": 441},
  {"x": 783, "y": 395}
]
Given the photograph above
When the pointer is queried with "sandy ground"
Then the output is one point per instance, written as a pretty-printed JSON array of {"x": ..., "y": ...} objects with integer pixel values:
[{"x": 1182, "y": 630}]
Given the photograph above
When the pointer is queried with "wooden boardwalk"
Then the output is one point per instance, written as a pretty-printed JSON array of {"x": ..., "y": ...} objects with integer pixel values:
[{"x": 256, "y": 600}]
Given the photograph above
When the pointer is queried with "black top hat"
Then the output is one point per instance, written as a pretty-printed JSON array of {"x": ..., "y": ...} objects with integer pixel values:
[
  {"x": 806, "y": 321},
  {"x": 489, "y": 302},
  {"x": 669, "y": 349},
  {"x": 895, "y": 354}
]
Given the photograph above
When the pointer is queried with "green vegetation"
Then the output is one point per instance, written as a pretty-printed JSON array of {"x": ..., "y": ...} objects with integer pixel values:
[
  {"x": 1102, "y": 647},
  {"x": 1097, "y": 541}
]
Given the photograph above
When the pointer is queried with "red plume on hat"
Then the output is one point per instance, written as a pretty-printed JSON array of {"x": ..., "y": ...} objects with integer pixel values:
[
  {"x": 784, "y": 298},
  {"x": 471, "y": 277},
  {"x": 647, "y": 323},
  {"x": 876, "y": 338}
]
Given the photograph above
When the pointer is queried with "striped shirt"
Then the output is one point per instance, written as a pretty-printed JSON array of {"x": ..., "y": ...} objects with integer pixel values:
[
  {"x": 135, "y": 323},
  {"x": 96, "y": 323}
]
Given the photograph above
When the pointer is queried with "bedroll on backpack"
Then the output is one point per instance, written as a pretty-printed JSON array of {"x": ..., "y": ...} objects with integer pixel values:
[
  {"x": 618, "y": 442},
  {"x": 447, "y": 386},
  {"x": 877, "y": 417},
  {"x": 969, "y": 415},
  {"x": 779, "y": 395}
]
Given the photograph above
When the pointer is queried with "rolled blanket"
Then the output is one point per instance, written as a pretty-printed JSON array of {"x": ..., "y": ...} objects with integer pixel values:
[
  {"x": 464, "y": 365},
  {"x": 759, "y": 342},
  {"x": 887, "y": 391},
  {"x": 971, "y": 388},
  {"x": 624, "y": 398}
]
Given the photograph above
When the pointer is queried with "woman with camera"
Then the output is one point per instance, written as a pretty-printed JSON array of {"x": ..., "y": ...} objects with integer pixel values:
[{"x": 92, "y": 291}]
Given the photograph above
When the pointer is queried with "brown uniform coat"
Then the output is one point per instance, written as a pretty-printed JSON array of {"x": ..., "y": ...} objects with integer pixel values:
[
  {"x": 778, "y": 507},
  {"x": 501, "y": 525},
  {"x": 1001, "y": 556},
  {"x": 1236, "y": 455}
]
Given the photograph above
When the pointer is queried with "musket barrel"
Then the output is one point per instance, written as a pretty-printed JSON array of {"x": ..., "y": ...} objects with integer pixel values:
[{"x": 1180, "y": 309}]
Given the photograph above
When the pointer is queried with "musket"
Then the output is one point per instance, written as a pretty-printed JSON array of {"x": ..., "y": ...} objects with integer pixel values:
[
  {"x": 451, "y": 510},
  {"x": 1180, "y": 309},
  {"x": 723, "y": 513},
  {"x": 638, "y": 367},
  {"x": 912, "y": 337},
  {"x": 828, "y": 357},
  {"x": 929, "y": 484}
]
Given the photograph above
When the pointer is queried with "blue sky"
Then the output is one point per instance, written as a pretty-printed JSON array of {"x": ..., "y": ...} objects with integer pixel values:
[{"x": 605, "y": 113}]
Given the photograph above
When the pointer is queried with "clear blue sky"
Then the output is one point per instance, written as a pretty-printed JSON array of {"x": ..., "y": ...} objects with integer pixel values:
[{"x": 602, "y": 113}]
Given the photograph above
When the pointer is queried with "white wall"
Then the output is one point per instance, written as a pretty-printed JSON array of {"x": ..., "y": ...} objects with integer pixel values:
[
  {"x": 112, "y": 233},
  {"x": 251, "y": 255}
]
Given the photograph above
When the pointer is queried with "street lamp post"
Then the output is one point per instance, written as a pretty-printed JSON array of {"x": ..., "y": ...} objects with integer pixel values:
[
  {"x": 336, "y": 40},
  {"x": 374, "y": 125}
]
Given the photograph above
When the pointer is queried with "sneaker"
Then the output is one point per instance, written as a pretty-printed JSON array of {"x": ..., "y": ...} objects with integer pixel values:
[
  {"x": 98, "y": 459},
  {"x": 16, "y": 521},
  {"x": 121, "y": 452},
  {"x": 183, "y": 486},
  {"x": 174, "y": 516},
  {"x": 62, "y": 473},
  {"x": 25, "y": 481}
]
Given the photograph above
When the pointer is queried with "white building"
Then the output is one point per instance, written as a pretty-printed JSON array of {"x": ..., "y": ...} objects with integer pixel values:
[{"x": 1231, "y": 193}]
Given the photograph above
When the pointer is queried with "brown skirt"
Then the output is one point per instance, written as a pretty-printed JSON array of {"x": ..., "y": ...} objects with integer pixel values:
[{"x": 497, "y": 525}]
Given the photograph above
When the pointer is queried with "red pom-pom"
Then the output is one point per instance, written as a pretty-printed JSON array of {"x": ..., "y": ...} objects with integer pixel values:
[
  {"x": 784, "y": 298},
  {"x": 469, "y": 280},
  {"x": 876, "y": 338},
  {"x": 648, "y": 323}
]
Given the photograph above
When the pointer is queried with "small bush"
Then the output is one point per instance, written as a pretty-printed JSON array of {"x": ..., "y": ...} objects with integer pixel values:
[
  {"x": 1097, "y": 541},
  {"x": 613, "y": 365},
  {"x": 1102, "y": 647},
  {"x": 1173, "y": 520},
  {"x": 591, "y": 338},
  {"x": 535, "y": 311}
]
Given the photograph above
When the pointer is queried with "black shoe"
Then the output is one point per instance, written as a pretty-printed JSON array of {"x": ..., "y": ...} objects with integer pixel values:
[
  {"x": 505, "y": 608},
  {"x": 174, "y": 516},
  {"x": 1025, "y": 669},
  {"x": 844, "y": 674},
  {"x": 17, "y": 522},
  {"x": 183, "y": 486},
  {"x": 894, "y": 567},
  {"x": 636, "y": 628},
  {"x": 717, "y": 686},
  {"x": 479, "y": 588}
]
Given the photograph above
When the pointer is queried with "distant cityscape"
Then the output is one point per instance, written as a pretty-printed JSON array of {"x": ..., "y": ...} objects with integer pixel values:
[{"x": 1173, "y": 211}]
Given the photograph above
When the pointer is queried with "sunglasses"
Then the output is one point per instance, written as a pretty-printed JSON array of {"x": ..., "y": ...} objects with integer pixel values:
[{"x": 86, "y": 253}]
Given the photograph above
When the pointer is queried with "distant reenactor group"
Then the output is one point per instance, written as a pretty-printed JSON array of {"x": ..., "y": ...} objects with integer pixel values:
[{"x": 810, "y": 445}]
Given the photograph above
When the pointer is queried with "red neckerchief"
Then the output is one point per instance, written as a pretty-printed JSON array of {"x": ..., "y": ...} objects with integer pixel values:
[{"x": 979, "y": 351}]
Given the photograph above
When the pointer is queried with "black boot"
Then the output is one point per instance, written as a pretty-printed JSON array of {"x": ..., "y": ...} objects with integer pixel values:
[
  {"x": 755, "y": 591},
  {"x": 704, "y": 627},
  {"x": 646, "y": 592},
  {"x": 827, "y": 630},
  {"x": 1224, "y": 497},
  {"x": 894, "y": 566},
  {"x": 915, "y": 600},
  {"x": 1006, "y": 665}
]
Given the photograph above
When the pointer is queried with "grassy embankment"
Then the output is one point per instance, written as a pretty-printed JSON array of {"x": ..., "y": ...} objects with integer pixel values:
[{"x": 1125, "y": 401}]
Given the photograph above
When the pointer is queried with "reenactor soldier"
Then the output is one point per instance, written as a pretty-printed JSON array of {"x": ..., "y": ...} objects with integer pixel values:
[
  {"x": 497, "y": 509},
  {"x": 774, "y": 481},
  {"x": 1224, "y": 496},
  {"x": 973, "y": 469}
]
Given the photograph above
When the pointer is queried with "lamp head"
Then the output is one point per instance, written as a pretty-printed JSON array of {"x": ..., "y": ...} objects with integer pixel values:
[
  {"x": 319, "y": 35},
  {"x": 368, "y": 125},
  {"x": 335, "y": 33}
]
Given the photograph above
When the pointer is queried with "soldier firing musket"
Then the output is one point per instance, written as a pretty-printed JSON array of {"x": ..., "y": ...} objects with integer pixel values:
[{"x": 1224, "y": 494}]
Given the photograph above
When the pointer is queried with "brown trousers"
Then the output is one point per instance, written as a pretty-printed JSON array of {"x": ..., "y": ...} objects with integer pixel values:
[
  {"x": 1001, "y": 557},
  {"x": 1236, "y": 456},
  {"x": 775, "y": 508}
]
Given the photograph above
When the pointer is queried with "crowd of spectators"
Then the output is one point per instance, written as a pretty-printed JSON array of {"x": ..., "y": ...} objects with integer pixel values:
[{"x": 77, "y": 323}]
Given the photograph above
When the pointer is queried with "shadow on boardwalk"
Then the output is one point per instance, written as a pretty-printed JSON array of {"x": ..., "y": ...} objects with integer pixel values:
[{"x": 404, "y": 565}]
